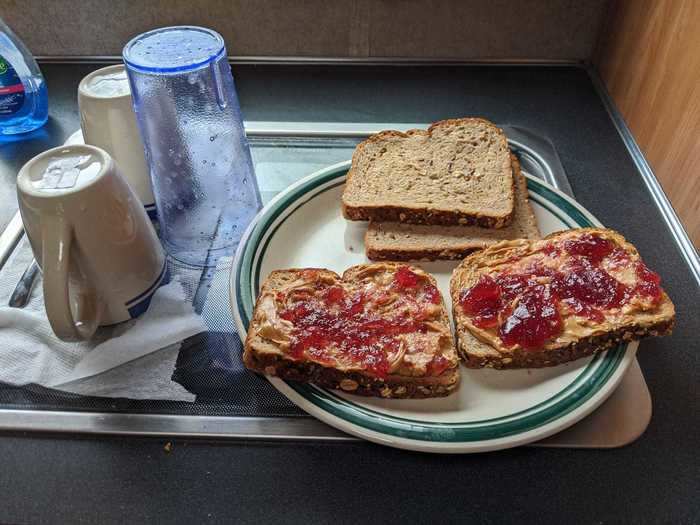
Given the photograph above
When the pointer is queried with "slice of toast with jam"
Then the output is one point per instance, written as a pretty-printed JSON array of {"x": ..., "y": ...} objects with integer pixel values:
[
  {"x": 534, "y": 303},
  {"x": 379, "y": 330}
]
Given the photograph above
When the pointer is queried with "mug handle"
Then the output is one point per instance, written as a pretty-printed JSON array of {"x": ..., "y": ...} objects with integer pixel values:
[{"x": 57, "y": 241}]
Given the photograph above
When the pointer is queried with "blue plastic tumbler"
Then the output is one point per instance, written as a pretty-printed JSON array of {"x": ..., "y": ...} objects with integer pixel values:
[{"x": 190, "y": 121}]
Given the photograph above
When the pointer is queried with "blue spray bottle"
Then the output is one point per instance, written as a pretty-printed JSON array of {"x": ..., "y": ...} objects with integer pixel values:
[{"x": 24, "y": 104}]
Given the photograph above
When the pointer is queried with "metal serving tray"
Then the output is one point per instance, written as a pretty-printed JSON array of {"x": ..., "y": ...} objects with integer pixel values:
[{"x": 283, "y": 153}]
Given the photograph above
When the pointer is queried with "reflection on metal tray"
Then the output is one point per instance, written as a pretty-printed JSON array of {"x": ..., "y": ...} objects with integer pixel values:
[
  {"x": 231, "y": 401},
  {"x": 281, "y": 149}
]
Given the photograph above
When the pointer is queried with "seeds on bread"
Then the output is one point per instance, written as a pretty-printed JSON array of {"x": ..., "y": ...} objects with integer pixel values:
[
  {"x": 380, "y": 330},
  {"x": 457, "y": 172},
  {"x": 397, "y": 241},
  {"x": 534, "y": 303}
]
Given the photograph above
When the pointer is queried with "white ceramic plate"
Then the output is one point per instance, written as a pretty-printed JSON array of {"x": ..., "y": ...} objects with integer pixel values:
[{"x": 303, "y": 227}]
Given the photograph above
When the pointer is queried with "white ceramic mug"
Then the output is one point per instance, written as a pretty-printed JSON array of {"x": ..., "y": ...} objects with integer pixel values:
[
  {"x": 107, "y": 120},
  {"x": 100, "y": 256}
]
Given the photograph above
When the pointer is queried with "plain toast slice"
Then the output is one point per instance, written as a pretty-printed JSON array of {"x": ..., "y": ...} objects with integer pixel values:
[
  {"x": 457, "y": 172},
  {"x": 535, "y": 303},
  {"x": 397, "y": 241},
  {"x": 379, "y": 330}
]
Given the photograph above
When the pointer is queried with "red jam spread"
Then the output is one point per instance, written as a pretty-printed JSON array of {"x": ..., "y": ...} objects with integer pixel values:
[
  {"x": 649, "y": 283},
  {"x": 483, "y": 302},
  {"x": 438, "y": 365},
  {"x": 343, "y": 320},
  {"x": 432, "y": 294},
  {"x": 524, "y": 307},
  {"x": 534, "y": 319},
  {"x": 592, "y": 247},
  {"x": 405, "y": 278}
]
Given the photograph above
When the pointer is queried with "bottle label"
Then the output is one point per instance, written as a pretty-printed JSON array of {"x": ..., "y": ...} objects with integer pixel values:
[{"x": 11, "y": 89}]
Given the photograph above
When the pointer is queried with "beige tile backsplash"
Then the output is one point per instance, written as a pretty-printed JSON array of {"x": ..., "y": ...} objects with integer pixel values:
[{"x": 466, "y": 29}]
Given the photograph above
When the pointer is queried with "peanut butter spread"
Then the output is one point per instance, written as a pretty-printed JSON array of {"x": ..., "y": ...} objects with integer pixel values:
[
  {"x": 383, "y": 319},
  {"x": 552, "y": 292}
]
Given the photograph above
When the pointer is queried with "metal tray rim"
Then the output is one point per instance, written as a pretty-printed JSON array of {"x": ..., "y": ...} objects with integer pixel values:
[{"x": 298, "y": 428}]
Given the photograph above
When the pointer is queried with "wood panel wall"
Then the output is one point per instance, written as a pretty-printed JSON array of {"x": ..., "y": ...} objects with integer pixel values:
[{"x": 648, "y": 55}]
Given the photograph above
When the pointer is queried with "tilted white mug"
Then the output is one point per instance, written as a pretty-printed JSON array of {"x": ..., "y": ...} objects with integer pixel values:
[
  {"x": 100, "y": 256},
  {"x": 108, "y": 121}
]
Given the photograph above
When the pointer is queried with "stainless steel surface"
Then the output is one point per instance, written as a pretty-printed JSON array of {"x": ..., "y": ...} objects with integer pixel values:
[
  {"x": 300, "y": 428},
  {"x": 10, "y": 237},
  {"x": 20, "y": 296},
  {"x": 537, "y": 156},
  {"x": 539, "y": 159},
  {"x": 690, "y": 254}
]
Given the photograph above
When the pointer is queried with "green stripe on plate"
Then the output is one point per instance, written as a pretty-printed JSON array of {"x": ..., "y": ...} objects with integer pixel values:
[{"x": 572, "y": 397}]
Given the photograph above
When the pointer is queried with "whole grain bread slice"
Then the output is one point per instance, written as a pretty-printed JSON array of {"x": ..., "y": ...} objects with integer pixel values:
[
  {"x": 397, "y": 241},
  {"x": 457, "y": 172},
  {"x": 479, "y": 347},
  {"x": 268, "y": 350}
]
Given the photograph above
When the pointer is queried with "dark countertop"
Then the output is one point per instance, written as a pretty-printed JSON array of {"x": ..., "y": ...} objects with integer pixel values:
[{"x": 64, "y": 478}]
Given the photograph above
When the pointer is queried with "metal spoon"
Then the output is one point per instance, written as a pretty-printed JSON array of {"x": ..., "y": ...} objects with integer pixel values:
[{"x": 20, "y": 296}]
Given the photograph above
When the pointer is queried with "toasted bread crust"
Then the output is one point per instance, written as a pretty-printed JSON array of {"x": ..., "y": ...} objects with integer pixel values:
[
  {"x": 520, "y": 358},
  {"x": 471, "y": 349},
  {"x": 422, "y": 214},
  {"x": 394, "y": 387},
  {"x": 451, "y": 254}
]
